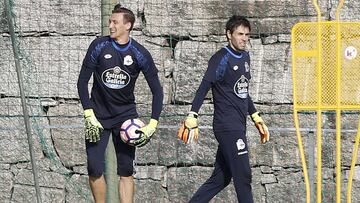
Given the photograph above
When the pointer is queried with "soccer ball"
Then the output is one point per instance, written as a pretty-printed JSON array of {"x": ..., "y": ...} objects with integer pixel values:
[{"x": 128, "y": 128}]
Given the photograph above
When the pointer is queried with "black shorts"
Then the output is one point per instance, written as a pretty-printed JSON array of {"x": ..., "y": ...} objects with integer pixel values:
[{"x": 125, "y": 154}]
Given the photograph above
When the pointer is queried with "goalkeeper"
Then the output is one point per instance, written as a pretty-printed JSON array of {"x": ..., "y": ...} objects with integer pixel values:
[
  {"x": 115, "y": 63},
  {"x": 228, "y": 76}
]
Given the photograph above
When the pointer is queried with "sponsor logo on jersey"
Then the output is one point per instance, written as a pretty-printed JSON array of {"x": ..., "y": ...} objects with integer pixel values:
[
  {"x": 241, "y": 87},
  {"x": 115, "y": 78},
  {"x": 108, "y": 56},
  {"x": 236, "y": 67},
  {"x": 247, "y": 67},
  {"x": 128, "y": 60}
]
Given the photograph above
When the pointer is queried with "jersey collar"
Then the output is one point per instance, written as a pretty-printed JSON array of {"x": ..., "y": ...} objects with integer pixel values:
[
  {"x": 234, "y": 53},
  {"x": 121, "y": 47}
]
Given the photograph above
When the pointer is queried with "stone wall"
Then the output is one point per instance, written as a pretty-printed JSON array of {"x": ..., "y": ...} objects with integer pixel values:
[{"x": 181, "y": 36}]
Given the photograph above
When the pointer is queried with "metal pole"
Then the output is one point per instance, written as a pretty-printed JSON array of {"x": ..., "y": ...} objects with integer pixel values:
[
  {"x": 311, "y": 153},
  {"x": 23, "y": 100},
  {"x": 111, "y": 177}
]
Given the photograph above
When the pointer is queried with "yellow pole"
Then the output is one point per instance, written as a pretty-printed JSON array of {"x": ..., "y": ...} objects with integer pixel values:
[
  {"x": 338, "y": 104},
  {"x": 302, "y": 155},
  {"x": 338, "y": 9},
  {"x": 297, "y": 126},
  {"x": 318, "y": 111},
  {"x": 353, "y": 161}
]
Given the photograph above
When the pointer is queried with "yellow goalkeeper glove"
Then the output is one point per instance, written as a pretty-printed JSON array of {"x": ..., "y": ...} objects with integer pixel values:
[
  {"x": 262, "y": 128},
  {"x": 147, "y": 132},
  {"x": 189, "y": 130},
  {"x": 93, "y": 127}
]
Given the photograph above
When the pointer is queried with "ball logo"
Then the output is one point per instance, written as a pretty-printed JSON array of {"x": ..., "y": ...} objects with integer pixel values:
[
  {"x": 241, "y": 87},
  {"x": 128, "y": 60},
  {"x": 115, "y": 78}
]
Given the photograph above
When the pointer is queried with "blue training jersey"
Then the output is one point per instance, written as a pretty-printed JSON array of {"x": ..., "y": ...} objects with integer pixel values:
[
  {"x": 115, "y": 69},
  {"x": 228, "y": 75}
]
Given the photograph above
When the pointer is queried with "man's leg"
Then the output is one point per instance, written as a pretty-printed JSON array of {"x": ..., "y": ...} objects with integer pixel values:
[
  {"x": 126, "y": 189},
  {"x": 98, "y": 188},
  {"x": 125, "y": 155},
  {"x": 219, "y": 179},
  {"x": 96, "y": 166},
  {"x": 235, "y": 151}
]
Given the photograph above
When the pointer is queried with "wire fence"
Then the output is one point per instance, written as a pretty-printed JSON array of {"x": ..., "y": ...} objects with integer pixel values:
[{"x": 51, "y": 38}]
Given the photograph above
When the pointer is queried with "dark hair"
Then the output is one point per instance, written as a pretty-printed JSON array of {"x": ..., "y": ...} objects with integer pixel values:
[
  {"x": 128, "y": 14},
  {"x": 235, "y": 21}
]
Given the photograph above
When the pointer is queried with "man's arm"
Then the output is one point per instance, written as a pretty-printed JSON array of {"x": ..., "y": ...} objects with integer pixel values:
[
  {"x": 157, "y": 99},
  {"x": 157, "y": 95},
  {"x": 87, "y": 69},
  {"x": 189, "y": 131},
  {"x": 258, "y": 121},
  {"x": 82, "y": 86},
  {"x": 200, "y": 95},
  {"x": 251, "y": 106},
  {"x": 93, "y": 127}
]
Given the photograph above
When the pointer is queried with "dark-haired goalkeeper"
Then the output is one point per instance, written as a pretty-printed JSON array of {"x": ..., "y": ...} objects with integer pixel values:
[
  {"x": 115, "y": 62},
  {"x": 228, "y": 76}
]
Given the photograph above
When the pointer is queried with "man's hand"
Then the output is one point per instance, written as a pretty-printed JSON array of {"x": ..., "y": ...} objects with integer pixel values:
[
  {"x": 262, "y": 128},
  {"x": 147, "y": 131},
  {"x": 189, "y": 130},
  {"x": 93, "y": 127}
]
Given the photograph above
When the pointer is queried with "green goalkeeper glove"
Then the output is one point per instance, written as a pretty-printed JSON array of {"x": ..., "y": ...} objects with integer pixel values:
[
  {"x": 262, "y": 128},
  {"x": 189, "y": 130},
  {"x": 93, "y": 127},
  {"x": 147, "y": 131}
]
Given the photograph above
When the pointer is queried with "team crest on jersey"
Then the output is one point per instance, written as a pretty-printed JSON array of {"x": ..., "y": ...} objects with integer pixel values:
[
  {"x": 247, "y": 67},
  {"x": 240, "y": 144},
  {"x": 241, "y": 87},
  {"x": 115, "y": 78},
  {"x": 128, "y": 60},
  {"x": 108, "y": 56}
]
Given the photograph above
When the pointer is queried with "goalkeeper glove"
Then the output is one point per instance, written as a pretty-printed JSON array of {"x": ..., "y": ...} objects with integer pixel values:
[
  {"x": 147, "y": 132},
  {"x": 189, "y": 130},
  {"x": 262, "y": 128},
  {"x": 93, "y": 127}
]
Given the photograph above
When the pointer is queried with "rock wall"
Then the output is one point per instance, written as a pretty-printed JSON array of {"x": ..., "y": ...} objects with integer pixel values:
[{"x": 181, "y": 36}]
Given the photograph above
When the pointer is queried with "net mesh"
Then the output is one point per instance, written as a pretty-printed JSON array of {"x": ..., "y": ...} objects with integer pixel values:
[
  {"x": 331, "y": 57},
  {"x": 52, "y": 38}
]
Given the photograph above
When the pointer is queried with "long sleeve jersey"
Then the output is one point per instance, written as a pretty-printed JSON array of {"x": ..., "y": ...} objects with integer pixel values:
[
  {"x": 115, "y": 69},
  {"x": 228, "y": 75}
]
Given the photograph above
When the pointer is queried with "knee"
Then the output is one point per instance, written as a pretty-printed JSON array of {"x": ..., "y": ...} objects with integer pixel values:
[
  {"x": 246, "y": 177},
  {"x": 93, "y": 179},
  {"x": 95, "y": 169},
  {"x": 125, "y": 170},
  {"x": 242, "y": 174},
  {"x": 127, "y": 180}
]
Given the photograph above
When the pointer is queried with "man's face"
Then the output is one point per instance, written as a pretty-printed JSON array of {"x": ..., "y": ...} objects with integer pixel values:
[
  {"x": 118, "y": 29},
  {"x": 239, "y": 38}
]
